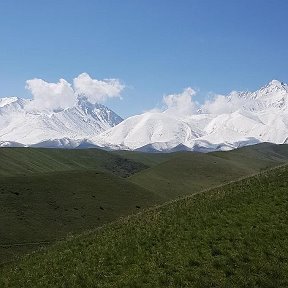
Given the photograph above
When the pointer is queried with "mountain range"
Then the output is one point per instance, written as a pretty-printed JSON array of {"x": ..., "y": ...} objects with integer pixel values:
[
  {"x": 224, "y": 123},
  {"x": 20, "y": 125}
]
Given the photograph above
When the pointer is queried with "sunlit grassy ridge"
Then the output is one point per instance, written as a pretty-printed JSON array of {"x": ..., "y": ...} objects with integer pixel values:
[
  {"x": 27, "y": 161},
  {"x": 235, "y": 235},
  {"x": 48, "y": 193},
  {"x": 46, "y": 207},
  {"x": 187, "y": 173}
]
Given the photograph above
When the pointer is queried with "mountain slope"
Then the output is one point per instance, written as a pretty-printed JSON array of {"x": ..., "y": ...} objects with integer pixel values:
[
  {"x": 147, "y": 128},
  {"x": 224, "y": 123},
  {"x": 19, "y": 123},
  {"x": 188, "y": 173},
  {"x": 27, "y": 161},
  {"x": 39, "y": 209},
  {"x": 232, "y": 121},
  {"x": 231, "y": 236},
  {"x": 47, "y": 193}
]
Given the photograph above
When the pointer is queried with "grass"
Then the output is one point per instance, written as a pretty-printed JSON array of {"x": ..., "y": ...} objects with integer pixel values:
[
  {"x": 231, "y": 236},
  {"x": 27, "y": 161},
  {"x": 187, "y": 173},
  {"x": 47, "y": 194},
  {"x": 45, "y": 207},
  {"x": 148, "y": 159}
]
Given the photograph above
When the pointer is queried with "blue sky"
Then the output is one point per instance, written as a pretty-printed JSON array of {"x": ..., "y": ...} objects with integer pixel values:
[{"x": 154, "y": 47}]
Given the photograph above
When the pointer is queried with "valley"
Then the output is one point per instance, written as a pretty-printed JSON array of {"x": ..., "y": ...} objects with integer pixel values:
[
  {"x": 234, "y": 234},
  {"x": 48, "y": 194},
  {"x": 143, "y": 144}
]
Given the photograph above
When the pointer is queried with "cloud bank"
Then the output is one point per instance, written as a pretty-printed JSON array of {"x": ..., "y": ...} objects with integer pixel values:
[
  {"x": 97, "y": 90},
  {"x": 50, "y": 96},
  {"x": 221, "y": 104},
  {"x": 62, "y": 95},
  {"x": 181, "y": 104}
]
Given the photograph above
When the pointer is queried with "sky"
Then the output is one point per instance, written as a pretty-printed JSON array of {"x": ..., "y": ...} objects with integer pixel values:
[{"x": 145, "y": 48}]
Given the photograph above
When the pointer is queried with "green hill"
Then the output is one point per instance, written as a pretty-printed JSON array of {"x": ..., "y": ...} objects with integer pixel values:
[
  {"x": 231, "y": 236},
  {"x": 49, "y": 193},
  {"x": 188, "y": 173},
  {"x": 148, "y": 159},
  {"x": 26, "y": 161},
  {"x": 41, "y": 208}
]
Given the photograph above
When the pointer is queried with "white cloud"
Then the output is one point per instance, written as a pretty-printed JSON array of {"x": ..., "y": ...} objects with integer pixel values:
[
  {"x": 97, "y": 90},
  {"x": 221, "y": 104},
  {"x": 61, "y": 95},
  {"x": 181, "y": 104},
  {"x": 50, "y": 96}
]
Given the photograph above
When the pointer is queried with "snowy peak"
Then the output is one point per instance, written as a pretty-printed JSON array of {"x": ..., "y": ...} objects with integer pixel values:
[
  {"x": 274, "y": 95},
  {"x": 140, "y": 130},
  {"x": 7, "y": 100},
  {"x": 223, "y": 123},
  {"x": 18, "y": 123},
  {"x": 99, "y": 111},
  {"x": 273, "y": 87},
  {"x": 227, "y": 122},
  {"x": 13, "y": 102}
]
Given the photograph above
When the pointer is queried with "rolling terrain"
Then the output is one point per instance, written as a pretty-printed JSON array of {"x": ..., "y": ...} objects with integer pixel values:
[
  {"x": 39, "y": 209},
  {"x": 49, "y": 193},
  {"x": 223, "y": 123},
  {"x": 23, "y": 123},
  {"x": 28, "y": 161},
  {"x": 188, "y": 173},
  {"x": 232, "y": 235}
]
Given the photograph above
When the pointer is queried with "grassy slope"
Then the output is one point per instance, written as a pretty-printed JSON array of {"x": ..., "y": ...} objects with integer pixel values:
[
  {"x": 54, "y": 192},
  {"x": 149, "y": 159},
  {"x": 45, "y": 207},
  {"x": 188, "y": 173},
  {"x": 261, "y": 152},
  {"x": 231, "y": 236},
  {"x": 47, "y": 193},
  {"x": 25, "y": 161}
]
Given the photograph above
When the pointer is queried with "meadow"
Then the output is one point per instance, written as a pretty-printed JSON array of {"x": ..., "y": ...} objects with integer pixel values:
[
  {"x": 53, "y": 200},
  {"x": 231, "y": 236}
]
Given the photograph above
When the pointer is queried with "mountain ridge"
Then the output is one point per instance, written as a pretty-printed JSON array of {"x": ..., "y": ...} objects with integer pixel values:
[
  {"x": 29, "y": 126},
  {"x": 224, "y": 123},
  {"x": 249, "y": 118}
]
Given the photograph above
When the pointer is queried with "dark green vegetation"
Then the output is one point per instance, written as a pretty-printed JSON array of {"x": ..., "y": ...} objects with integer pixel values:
[
  {"x": 187, "y": 173},
  {"x": 45, "y": 207},
  {"x": 26, "y": 161},
  {"x": 148, "y": 159},
  {"x": 231, "y": 236},
  {"x": 47, "y": 194}
]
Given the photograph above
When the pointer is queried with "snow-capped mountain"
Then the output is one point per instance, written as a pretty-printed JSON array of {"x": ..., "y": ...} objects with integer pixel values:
[
  {"x": 18, "y": 123},
  {"x": 224, "y": 123},
  {"x": 140, "y": 130},
  {"x": 273, "y": 95},
  {"x": 241, "y": 118}
]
